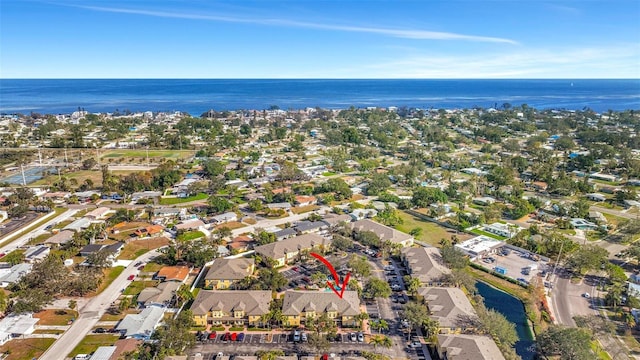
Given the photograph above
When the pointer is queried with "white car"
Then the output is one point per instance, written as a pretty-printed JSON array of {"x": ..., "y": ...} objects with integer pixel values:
[
  {"x": 415, "y": 345},
  {"x": 303, "y": 337},
  {"x": 586, "y": 295},
  {"x": 389, "y": 268}
]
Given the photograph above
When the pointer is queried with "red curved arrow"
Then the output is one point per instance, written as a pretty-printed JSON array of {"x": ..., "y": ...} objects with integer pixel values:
[{"x": 335, "y": 276}]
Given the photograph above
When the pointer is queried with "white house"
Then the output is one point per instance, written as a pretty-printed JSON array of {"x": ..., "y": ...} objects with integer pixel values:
[
  {"x": 16, "y": 325},
  {"x": 504, "y": 230}
]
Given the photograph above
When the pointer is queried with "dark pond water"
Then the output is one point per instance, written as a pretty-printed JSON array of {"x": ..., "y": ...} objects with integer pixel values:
[{"x": 513, "y": 310}]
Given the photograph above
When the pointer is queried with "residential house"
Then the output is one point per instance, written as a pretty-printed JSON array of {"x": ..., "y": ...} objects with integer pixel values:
[
  {"x": 173, "y": 273},
  {"x": 141, "y": 326},
  {"x": 78, "y": 225},
  {"x": 359, "y": 214},
  {"x": 223, "y": 218},
  {"x": 582, "y": 224},
  {"x": 334, "y": 220},
  {"x": 224, "y": 273},
  {"x": 240, "y": 243},
  {"x": 501, "y": 229},
  {"x": 284, "y": 251},
  {"x": 450, "y": 307},
  {"x": 145, "y": 195},
  {"x": 90, "y": 249},
  {"x": 301, "y": 200},
  {"x": 283, "y": 205},
  {"x": 426, "y": 264},
  {"x": 484, "y": 200},
  {"x": 384, "y": 232},
  {"x": 192, "y": 224},
  {"x": 160, "y": 295},
  {"x": 298, "y": 306},
  {"x": 468, "y": 347},
  {"x": 36, "y": 253},
  {"x": 62, "y": 237},
  {"x": 597, "y": 217},
  {"x": 238, "y": 307},
  {"x": 169, "y": 212},
  {"x": 17, "y": 325},
  {"x": 15, "y": 274},
  {"x": 596, "y": 197},
  {"x": 539, "y": 186},
  {"x": 285, "y": 233},
  {"x": 150, "y": 231},
  {"x": 98, "y": 213},
  {"x": 306, "y": 226},
  {"x": 104, "y": 353}
]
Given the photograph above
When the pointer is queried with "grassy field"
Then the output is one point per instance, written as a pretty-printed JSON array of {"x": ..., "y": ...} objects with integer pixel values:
[
  {"x": 137, "y": 286},
  {"x": 38, "y": 222},
  {"x": 92, "y": 342},
  {"x": 431, "y": 232},
  {"x": 136, "y": 248},
  {"x": 304, "y": 209},
  {"x": 177, "y": 200},
  {"x": 26, "y": 349},
  {"x": 152, "y": 267},
  {"x": 50, "y": 317},
  {"x": 485, "y": 233},
  {"x": 80, "y": 176},
  {"x": 110, "y": 275},
  {"x": 190, "y": 235},
  {"x": 167, "y": 154}
]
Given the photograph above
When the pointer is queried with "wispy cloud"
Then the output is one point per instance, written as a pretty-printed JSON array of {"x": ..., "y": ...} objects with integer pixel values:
[{"x": 415, "y": 34}]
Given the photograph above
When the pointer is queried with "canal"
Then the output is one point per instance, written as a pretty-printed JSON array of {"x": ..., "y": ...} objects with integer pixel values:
[{"x": 513, "y": 310}]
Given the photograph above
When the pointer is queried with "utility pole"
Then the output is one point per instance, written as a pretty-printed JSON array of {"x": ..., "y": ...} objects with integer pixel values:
[
  {"x": 66, "y": 160},
  {"x": 39, "y": 156}
]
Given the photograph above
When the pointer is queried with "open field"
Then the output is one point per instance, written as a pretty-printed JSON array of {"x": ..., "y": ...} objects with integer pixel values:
[
  {"x": 179, "y": 200},
  {"x": 26, "y": 349},
  {"x": 135, "y": 248},
  {"x": 92, "y": 342},
  {"x": 432, "y": 233},
  {"x": 304, "y": 209},
  {"x": 56, "y": 316},
  {"x": 110, "y": 274},
  {"x": 153, "y": 154},
  {"x": 231, "y": 225}
]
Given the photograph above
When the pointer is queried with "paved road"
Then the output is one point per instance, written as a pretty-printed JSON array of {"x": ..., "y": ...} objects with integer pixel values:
[
  {"x": 615, "y": 212},
  {"x": 91, "y": 313},
  {"x": 266, "y": 223},
  {"x": 568, "y": 300},
  {"x": 22, "y": 240}
]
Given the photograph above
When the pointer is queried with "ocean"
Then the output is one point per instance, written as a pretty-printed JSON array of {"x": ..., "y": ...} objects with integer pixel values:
[{"x": 197, "y": 96}]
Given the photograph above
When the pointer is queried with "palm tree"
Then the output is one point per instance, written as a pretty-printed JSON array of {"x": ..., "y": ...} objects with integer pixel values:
[
  {"x": 430, "y": 327},
  {"x": 413, "y": 285},
  {"x": 380, "y": 325},
  {"x": 361, "y": 318},
  {"x": 614, "y": 296}
]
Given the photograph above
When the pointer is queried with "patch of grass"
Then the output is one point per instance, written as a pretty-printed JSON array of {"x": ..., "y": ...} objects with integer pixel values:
[
  {"x": 567, "y": 231},
  {"x": 597, "y": 349},
  {"x": 170, "y": 154},
  {"x": 328, "y": 173},
  {"x": 56, "y": 316},
  {"x": 217, "y": 328},
  {"x": 250, "y": 221},
  {"x": 485, "y": 233},
  {"x": 110, "y": 274},
  {"x": 236, "y": 328},
  {"x": 178, "y": 200},
  {"x": 304, "y": 209},
  {"x": 92, "y": 342},
  {"x": 136, "y": 248},
  {"x": 26, "y": 349},
  {"x": 35, "y": 224},
  {"x": 431, "y": 232},
  {"x": 48, "y": 331},
  {"x": 117, "y": 317},
  {"x": 81, "y": 176},
  {"x": 39, "y": 239},
  {"x": 190, "y": 235},
  {"x": 135, "y": 287},
  {"x": 232, "y": 225},
  {"x": 152, "y": 267}
]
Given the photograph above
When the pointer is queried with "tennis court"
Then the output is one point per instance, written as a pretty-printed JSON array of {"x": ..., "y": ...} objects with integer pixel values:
[{"x": 31, "y": 174}]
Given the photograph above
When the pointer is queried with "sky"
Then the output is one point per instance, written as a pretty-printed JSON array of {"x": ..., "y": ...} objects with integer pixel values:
[{"x": 319, "y": 39}]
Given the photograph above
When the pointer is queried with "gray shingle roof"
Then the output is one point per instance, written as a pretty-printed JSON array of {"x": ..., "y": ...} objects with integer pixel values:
[
  {"x": 230, "y": 269},
  {"x": 469, "y": 347},
  {"x": 278, "y": 249},
  {"x": 447, "y": 305},
  {"x": 296, "y": 302},
  {"x": 384, "y": 232},
  {"x": 426, "y": 264},
  {"x": 255, "y": 302}
]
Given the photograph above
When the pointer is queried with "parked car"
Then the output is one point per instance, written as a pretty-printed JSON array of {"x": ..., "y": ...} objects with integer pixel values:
[
  {"x": 360, "y": 337},
  {"x": 303, "y": 337},
  {"x": 415, "y": 345},
  {"x": 352, "y": 337},
  {"x": 131, "y": 277},
  {"x": 586, "y": 295},
  {"x": 234, "y": 337},
  {"x": 137, "y": 264},
  {"x": 226, "y": 337},
  {"x": 100, "y": 330},
  {"x": 240, "y": 337},
  {"x": 296, "y": 335},
  {"x": 389, "y": 268},
  {"x": 211, "y": 335}
]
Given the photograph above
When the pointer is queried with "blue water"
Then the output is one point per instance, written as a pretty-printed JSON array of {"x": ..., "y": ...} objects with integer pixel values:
[
  {"x": 198, "y": 95},
  {"x": 513, "y": 310}
]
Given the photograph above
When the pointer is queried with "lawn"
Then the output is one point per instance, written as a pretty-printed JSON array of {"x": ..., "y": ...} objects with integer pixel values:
[
  {"x": 179, "y": 200},
  {"x": 171, "y": 154},
  {"x": 304, "y": 209},
  {"x": 328, "y": 173},
  {"x": 613, "y": 219},
  {"x": 232, "y": 225},
  {"x": 250, "y": 221},
  {"x": 190, "y": 235},
  {"x": 137, "y": 286},
  {"x": 431, "y": 234},
  {"x": 56, "y": 316},
  {"x": 26, "y": 349},
  {"x": 80, "y": 176},
  {"x": 117, "y": 317},
  {"x": 135, "y": 248},
  {"x": 92, "y": 342},
  {"x": 481, "y": 232},
  {"x": 152, "y": 267},
  {"x": 110, "y": 274},
  {"x": 48, "y": 331}
]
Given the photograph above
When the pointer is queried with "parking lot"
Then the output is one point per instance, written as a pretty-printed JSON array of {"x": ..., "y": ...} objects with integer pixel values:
[
  {"x": 270, "y": 339},
  {"x": 299, "y": 275},
  {"x": 514, "y": 263},
  {"x": 14, "y": 224}
]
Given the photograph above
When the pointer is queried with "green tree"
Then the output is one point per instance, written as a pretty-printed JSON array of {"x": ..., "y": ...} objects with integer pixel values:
[
  {"x": 378, "y": 183},
  {"x": 423, "y": 196},
  {"x": 175, "y": 338},
  {"x": 360, "y": 265},
  {"x": 567, "y": 343},
  {"x": 587, "y": 257},
  {"x": 377, "y": 288},
  {"x": 453, "y": 257},
  {"x": 413, "y": 284}
]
